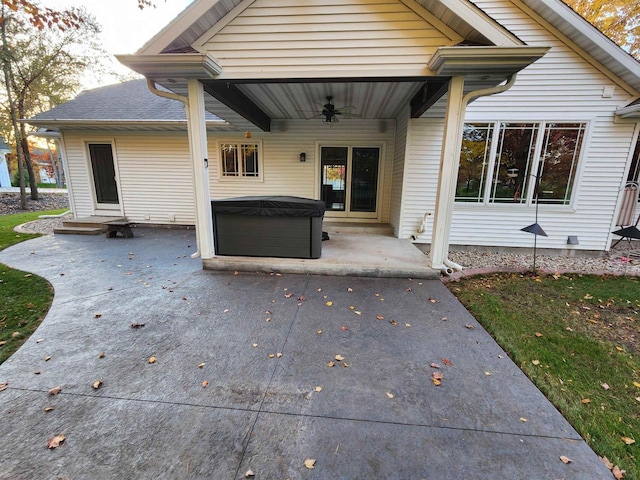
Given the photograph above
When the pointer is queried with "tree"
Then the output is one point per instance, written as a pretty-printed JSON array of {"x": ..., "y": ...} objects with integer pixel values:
[
  {"x": 618, "y": 19},
  {"x": 16, "y": 15}
]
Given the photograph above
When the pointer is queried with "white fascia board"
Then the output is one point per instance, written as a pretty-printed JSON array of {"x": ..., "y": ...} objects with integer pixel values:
[
  {"x": 482, "y": 22},
  {"x": 451, "y": 61},
  {"x": 586, "y": 30},
  {"x": 176, "y": 27},
  {"x": 173, "y": 65}
]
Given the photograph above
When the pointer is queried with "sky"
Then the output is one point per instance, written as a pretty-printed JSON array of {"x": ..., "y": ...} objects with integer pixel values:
[{"x": 125, "y": 28}]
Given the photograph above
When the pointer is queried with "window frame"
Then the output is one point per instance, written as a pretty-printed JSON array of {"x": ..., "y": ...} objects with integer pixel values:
[
  {"x": 534, "y": 164},
  {"x": 239, "y": 144}
]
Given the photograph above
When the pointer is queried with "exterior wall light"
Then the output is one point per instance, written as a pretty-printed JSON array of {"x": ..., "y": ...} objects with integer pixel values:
[
  {"x": 572, "y": 240},
  {"x": 303, "y": 156}
]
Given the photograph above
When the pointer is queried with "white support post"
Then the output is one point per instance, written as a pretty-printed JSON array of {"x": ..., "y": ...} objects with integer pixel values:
[
  {"x": 199, "y": 158},
  {"x": 449, "y": 163}
]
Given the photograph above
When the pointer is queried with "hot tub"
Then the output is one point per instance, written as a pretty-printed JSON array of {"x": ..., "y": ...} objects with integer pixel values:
[{"x": 288, "y": 227}]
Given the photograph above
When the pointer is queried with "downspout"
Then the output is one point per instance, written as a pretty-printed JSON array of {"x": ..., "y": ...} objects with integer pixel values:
[
  {"x": 449, "y": 265},
  {"x": 172, "y": 96}
]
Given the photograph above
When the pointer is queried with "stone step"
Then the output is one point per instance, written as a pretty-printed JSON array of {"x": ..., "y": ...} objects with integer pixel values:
[
  {"x": 357, "y": 228},
  {"x": 65, "y": 230}
]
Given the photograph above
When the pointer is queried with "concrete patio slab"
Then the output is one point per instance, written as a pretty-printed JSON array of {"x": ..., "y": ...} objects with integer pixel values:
[{"x": 258, "y": 338}]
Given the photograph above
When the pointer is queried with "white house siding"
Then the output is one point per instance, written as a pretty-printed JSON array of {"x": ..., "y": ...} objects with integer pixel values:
[
  {"x": 562, "y": 86},
  {"x": 400, "y": 151},
  {"x": 154, "y": 171},
  {"x": 333, "y": 36},
  {"x": 284, "y": 174}
]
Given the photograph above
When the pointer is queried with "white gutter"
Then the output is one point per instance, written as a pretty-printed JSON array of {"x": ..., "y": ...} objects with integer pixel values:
[
  {"x": 449, "y": 265},
  {"x": 173, "y": 96}
]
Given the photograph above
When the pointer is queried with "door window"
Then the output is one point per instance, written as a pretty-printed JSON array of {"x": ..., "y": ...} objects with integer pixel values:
[{"x": 104, "y": 173}]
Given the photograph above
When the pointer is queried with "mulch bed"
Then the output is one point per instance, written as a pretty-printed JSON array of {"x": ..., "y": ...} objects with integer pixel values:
[{"x": 10, "y": 202}]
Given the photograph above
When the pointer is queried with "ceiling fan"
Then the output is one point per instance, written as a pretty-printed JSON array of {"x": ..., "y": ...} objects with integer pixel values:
[{"x": 330, "y": 113}]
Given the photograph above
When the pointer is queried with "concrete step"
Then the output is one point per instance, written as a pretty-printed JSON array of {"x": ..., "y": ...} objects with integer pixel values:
[
  {"x": 65, "y": 230},
  {"x": 91, "y": 222},
  {"x": 357, "y": 228}
]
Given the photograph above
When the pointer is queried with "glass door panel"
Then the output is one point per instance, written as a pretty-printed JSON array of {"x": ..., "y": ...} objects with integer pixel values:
[
  {"x": 333, "y": 177},
  {"x": 364, "y": 180}
]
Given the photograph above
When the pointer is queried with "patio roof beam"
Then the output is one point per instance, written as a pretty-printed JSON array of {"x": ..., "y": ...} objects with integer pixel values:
[
  {"x": 233, "y": 98},
  {"x": 428, "y": 95}
]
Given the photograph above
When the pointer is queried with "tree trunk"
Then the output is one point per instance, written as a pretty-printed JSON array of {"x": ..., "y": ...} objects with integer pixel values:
[
  {"x": 57, "y": 171},
  {"x": 33, "y": 181}
]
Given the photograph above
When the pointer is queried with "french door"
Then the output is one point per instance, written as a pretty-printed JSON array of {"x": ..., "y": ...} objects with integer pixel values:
[{"x": 349, "y": 181}]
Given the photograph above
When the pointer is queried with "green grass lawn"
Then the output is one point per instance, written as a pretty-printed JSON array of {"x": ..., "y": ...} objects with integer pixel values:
[
  {"x": 24, "y": 298},
  {"x": 577, "y": 337}
]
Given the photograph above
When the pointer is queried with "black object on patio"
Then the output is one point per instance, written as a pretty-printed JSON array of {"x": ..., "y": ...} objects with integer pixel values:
[{"x": 289, "y": 227}]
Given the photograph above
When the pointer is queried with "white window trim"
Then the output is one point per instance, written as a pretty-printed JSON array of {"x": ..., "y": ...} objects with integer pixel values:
[
  {"x": 542, "y": 125},
  {"x": 240, "y": 178}
]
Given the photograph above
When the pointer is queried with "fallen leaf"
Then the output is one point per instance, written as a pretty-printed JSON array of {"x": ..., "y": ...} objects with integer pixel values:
[
  {"x": 329, "y": 303},
  {"x": 302, "y": 299},
  {"x": 319, "y": 332},
  {"x": 488, "y": 374},
  {"x": 433, "y": 300},
  {"x": 435, "y": 365},
  {"x": 152, "y": 359},
  {"x": 522, "y": 419},
  {"x": 469, "y": 326},
  {"x": 310, "y": 463},
  {"x": 226, "y": 310},
  {"x": 3, "y": 386},
  {"x": 271, "y": 355},
  {"x": 617, "y": 473},
  {"x": 97, "y": 384},
  {"x": 379, "y": 317},
  {"x": 636, "y": 384},
  {"x": 40, "y": 340},
  {"x": 318, "y": 389},
  {"x": 438, "y": 375},
  {"x": 47, "y": 358},
  {"x": 446, "y": 361},
  {"x": 588, "y": 297},
  {"x": 565, "y": 459},
  {"x": 279, "y": 355},
  {"x": 55, "y": 390},
  {"x": 267, "y": 312},
  {"x": 535, "y": 362},
  {"x": 102, "y": 355},
  {"x": 628, "y": 441},
  {"x": 55, "y": 441},
  {"x": 407, "y": 324},
  {"x": 288, "y": 295},
  {"x": 569, "y": 329},
  {"x": 585, "y": 400},
  {"x": 605, "y": 386},
  {"x": 344, "y": 328},
  {"x": 351, "y": 307},
  {"x": 200, "y": 365},
  {"x": 607, "y": 462},
  {"x": 254, "y": 345},
  {"x": 330, "y": 364},
  {"x": 436, "y": 382},
  {"x": 249, "y": 473},
  {"x": 390, "y": 395},
  {"x": 48, "y": 409},
  {"x": 204, "y": 384},
  {"x": 37, "y": 372},
  {"x": 345, "y": 365},
  {"x": 538, "y": 334},
  {"x": 349, "y": 289},
  {"x": 97, "y": 315},
  {"x": 339, "y": 357},
  {"x": 357, "y": 312},
  {"x": 393, "y": 322},
  {"x": 236, "y": 273},
  {"x": 137, "y": 325}
]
